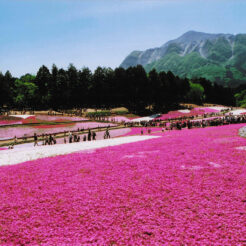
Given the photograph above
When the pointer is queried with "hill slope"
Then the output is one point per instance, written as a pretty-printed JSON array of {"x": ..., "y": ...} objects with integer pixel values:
[{"x": 218, "y": 57}]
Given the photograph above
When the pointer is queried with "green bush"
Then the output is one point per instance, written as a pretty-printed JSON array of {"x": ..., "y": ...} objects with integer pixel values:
[
  {"x": 98, "y": 114},
  {"x": 122, "y": 112}
]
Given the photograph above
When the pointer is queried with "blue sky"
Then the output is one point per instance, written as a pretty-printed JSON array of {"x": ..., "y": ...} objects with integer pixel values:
[{"x": 95, "y": 33}]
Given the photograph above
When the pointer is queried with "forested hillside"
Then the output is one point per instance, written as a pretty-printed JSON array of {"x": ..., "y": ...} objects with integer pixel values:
[{"x": 220, "y": 58}]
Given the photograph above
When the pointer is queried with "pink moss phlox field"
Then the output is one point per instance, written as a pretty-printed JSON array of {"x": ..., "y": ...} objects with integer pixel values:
[
  {"x": 187, "y": 187},
  {"x": 19, "y": 131},
  {"x": 39, "y": 119},
  {"x": 119, "y": 119},
  {"x": 6, "y": 120},
  {"x": 9, "y": 122},
  {"x": 59, "y": 118},
  {"x": 207, "y": 110},
  {"x": 54, "y": 126},
  {"x": 171, "y": 115},
  {"x": 193, "y": 112}
]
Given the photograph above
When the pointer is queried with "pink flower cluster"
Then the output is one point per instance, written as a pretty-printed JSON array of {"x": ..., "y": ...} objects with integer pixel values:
[
  {"x": 44, "y": 118},
  {"x": 54, "y": 126},
  {"x": 39, "y": 119},
  {"x": 5, "y": 120},
  {"x": 171, "y": 115},
  {"x": 185, "y": 188},
  {"x": 206, "y": 110},
  {"x": 193, "y": 112}
]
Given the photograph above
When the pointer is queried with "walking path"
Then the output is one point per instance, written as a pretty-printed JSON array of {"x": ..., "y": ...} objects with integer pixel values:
[
  {"x": 100, "y": 135},
  {"x": 14, "y": 156},
  {"x": 60, "y": 134}
]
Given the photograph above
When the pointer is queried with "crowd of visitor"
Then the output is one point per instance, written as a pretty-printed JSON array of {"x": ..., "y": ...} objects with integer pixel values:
[
  {"x": 179, "y": 124},
  {"x": 218, "y": 121},
  {"x": 79, "y": 135}
]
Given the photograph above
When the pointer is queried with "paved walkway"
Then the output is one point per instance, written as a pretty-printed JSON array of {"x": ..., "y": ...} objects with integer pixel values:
[
  {"x": 18, "y": 155},
  {"x": 100, "y": 135}
]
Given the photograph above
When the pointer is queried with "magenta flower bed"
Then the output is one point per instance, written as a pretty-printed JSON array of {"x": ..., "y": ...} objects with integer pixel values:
[
  {"x": 184, "y": 188},
  {"x": 9, "y": 122},
  {"x": 6, "y": 120},
  {"x": 19, "y": 131},
  {"x": 193, "y": 112},
  {"x": 171, "y": 115},
  {"x": 207, "y": 110},
  {"x": 40, "y": 119}
]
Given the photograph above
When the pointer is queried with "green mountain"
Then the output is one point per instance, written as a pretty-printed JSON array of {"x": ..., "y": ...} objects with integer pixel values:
[{"x": 220, "y": 58}]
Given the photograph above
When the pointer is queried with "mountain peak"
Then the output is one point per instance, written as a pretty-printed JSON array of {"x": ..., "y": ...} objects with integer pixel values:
[
  {"x": 192, "y": 32},
  {"x": 194, "y": 36},
  {"x": 197, "y": 54}
]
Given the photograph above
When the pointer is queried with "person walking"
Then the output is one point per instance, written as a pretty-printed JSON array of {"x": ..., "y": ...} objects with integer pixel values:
[
  {"x": 54, "y": 139},
  {"x": 70, "y": 137},
  {"x": 89, "y": 135},
  {"x": 43, "y": 139},
  {"x": 15, "y": 140},
  {"x": 50, "y": 139},
  {"x": 75, "y": 137},
  {"x": 107, "y": 133},
  {"x": 46, "y": 141},
  {"x": 35, "y": 137},
  {"x": 94, "y": 135}
]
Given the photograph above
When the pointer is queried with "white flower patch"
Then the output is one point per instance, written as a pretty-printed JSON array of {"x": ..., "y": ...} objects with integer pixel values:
[
  {"x": 141, "y": 154},
  {"x": 216, "y": 165},
  {"x": 14, "y": 156},
  {"x": 211, "y": 164},
  {"x": 184, "y": 111},
  {"x": 87, "y": 151},
  {"x": 148, "y": 152},
  {"x": 191, "y": 168},
  {"x": 133, "y": 156},
  {"x": 21, "y": 116},
  {"x": 219, "y": 108},
  {"x": 147, "y": 118},
  {"x": 237, "y": 112},
  {"x": 241, "y": 148}
]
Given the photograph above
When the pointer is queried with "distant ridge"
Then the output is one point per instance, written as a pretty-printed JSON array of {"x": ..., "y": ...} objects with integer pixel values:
[{"x": 218, "y": 57}]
